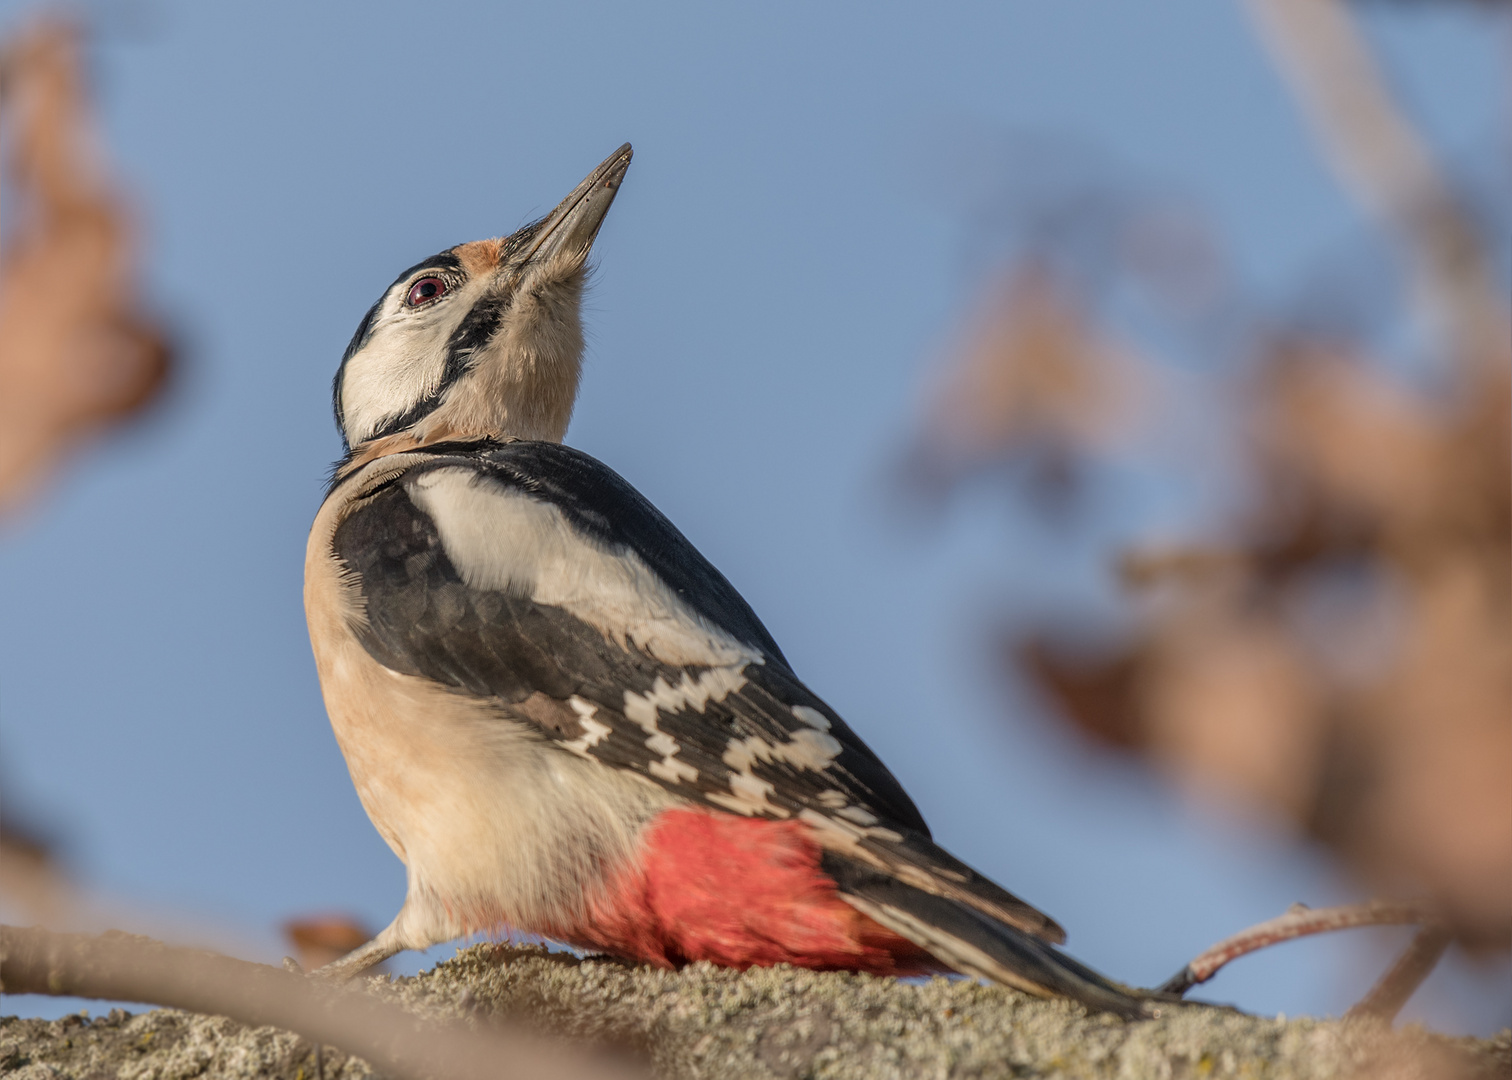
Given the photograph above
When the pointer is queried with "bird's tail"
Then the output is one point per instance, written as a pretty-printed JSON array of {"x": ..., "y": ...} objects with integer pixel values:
[{"x": 967, "y": 940}]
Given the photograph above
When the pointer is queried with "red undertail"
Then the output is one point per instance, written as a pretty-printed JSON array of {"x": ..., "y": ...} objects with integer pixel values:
[{"x": 740, "y": 892}]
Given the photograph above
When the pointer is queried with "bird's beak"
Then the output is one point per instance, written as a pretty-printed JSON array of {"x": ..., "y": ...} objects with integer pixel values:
[{"x": 570, "y": 228}]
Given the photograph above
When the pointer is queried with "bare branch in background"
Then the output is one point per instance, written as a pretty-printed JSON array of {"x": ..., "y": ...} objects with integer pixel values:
[
  {"x": 1403, "y": 978},
  {"x": 1384, "y": 1001},
  {"x": 1318, "y": 48},
  {"x": 396, "y": 1042},
  {"x": 76, "y": 352}
]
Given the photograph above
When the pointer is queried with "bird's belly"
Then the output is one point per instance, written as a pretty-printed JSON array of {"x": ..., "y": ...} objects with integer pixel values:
[
  {"x": 495, "y": 825},
  {"x": 415, "y": 758}
]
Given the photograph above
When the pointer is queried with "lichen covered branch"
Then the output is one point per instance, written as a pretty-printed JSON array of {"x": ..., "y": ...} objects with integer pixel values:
[{"x": 393, "y": 1040}]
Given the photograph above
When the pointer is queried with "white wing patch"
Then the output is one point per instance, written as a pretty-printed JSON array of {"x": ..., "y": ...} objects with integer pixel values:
[
  {"x": 748, "y": 796},
  {"x": 505, "y": 540},
  {"x": 749, "y": 793},
  {"x": 813, "y": 750},
  {"x": 845, "y": 830},
  {"x": 595, "y": 732},
  {"x": 812, "y": 717},
  {"x": 715, "y": 684}
]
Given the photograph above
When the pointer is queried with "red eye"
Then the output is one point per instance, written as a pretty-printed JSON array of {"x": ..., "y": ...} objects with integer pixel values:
[{"x": 427, "y": 288}]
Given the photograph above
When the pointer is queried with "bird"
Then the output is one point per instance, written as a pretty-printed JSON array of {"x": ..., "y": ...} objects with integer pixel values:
[{"x": 559, "y": 715}]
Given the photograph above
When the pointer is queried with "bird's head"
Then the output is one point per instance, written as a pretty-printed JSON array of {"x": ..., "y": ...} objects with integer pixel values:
[{"x": 484, "y": 339}]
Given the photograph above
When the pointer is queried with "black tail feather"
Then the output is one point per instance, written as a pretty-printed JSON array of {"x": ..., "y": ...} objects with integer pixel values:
[{"x": 974, "y": 943}]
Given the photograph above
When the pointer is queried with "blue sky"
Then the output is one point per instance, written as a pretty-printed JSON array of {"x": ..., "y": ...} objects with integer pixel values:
[{"x": 786, "y": 261}]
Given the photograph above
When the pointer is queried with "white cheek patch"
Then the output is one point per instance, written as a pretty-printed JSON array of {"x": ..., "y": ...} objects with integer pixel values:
[
  {"x": 401, "y": 363},
  {"x": 506, "y": 540}
]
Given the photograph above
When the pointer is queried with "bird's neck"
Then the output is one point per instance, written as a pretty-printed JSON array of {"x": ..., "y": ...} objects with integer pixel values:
[
  {"x": 529, "y": 398},
  {"x": 527, "y": 402},
  {"x": 524, "y": 382}
]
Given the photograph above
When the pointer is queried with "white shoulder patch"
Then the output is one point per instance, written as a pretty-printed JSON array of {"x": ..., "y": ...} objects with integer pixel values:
[{"x": 506, "y": 540}]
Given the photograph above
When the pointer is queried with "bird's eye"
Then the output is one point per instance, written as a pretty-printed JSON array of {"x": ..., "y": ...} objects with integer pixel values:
[{"x": 424, "y": 290}]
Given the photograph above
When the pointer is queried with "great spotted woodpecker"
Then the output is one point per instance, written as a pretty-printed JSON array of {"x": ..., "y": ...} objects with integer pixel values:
[{"x": 561, "y": 716}]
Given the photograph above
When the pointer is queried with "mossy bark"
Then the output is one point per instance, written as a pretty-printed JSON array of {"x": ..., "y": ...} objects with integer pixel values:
[{"x": 706, "y": 1022}]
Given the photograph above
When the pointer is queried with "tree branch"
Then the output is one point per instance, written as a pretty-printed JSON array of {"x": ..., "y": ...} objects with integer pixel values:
[
  {"x": 1387, "y": 168},
  {"x": 1402, "y": 979},
  {"x": 394, "y": 1041},
  {"x": 1299, "y": 921}
]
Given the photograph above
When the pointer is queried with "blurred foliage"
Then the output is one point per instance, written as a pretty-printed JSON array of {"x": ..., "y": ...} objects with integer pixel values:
[
  {"x": 320, "y": 939},
  {"x": 76, "y": 351},
  {"x": 1335, "y": 643}
]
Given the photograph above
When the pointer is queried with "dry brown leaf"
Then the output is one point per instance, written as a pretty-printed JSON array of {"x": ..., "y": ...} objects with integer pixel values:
[
  {"x": 1033, "y": 376},
  {"x": 319, "y": 939},
  {"x": 1364, "y": 444},
  {"x": 1346, "y": 660},
  {"x": 75, "y": 353},
  {"x": 1233, "y": 709},
  {"x": 1338, "y": 647}
]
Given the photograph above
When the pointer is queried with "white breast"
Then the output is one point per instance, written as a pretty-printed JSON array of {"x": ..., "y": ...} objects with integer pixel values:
[{"x": 495, "y": 825}]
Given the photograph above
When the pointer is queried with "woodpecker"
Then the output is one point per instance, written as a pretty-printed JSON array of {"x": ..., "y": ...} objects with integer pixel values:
[{"x": 561, "y": 717}]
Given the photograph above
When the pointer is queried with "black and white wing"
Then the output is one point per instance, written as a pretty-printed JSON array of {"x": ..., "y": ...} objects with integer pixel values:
[{"x": 531, "y": 574}]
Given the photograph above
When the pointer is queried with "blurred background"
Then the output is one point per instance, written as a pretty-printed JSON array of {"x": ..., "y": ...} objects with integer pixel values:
[{"x": 1105, "y": 405}]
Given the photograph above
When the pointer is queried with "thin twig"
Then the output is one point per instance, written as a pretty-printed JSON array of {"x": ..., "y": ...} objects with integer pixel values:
[
  {"x": 1387, "y": 996},
  {"x": 1299, "y": 921},
  {"x": 394, "y": 1041},
  {"x": 1386, "y": 165}
]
